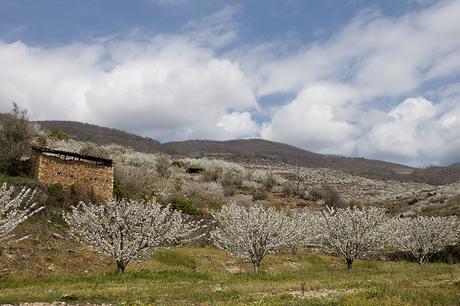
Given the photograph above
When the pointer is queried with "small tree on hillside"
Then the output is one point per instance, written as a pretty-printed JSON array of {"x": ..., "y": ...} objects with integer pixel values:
[
  {"x": 16, "y": 135},
  {"x": 250, "y": 233},
  {"x": 128, "y": 230},
  {"x": 14, "y": 209},
  {"x": 351, "y": 232},
  {"x": 423, "y": 236}
]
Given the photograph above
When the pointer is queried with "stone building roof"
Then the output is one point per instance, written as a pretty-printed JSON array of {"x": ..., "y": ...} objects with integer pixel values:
[{"x": 72, "y": 156}]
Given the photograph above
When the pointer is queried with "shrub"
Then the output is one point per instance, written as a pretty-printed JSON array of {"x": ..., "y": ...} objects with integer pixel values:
[
  {"x": 16, "y": 135},
  {"x": 56, "y": 196},
  {"x": 229, "y": 190},
  {"x": 259, "y": 195},
  {"x": 119, "y": 190},
  {"x": 287, "y": 188},
  {"x": 212, "y": 174},
  {"x": 269, "y": 181},
  {"x": 163, "y": 162},
  {"x": 59, "y": 134},
  {"x": 233, "y": 179},
  {"x": 330, "y": 196},
  {"x": 182, "y": 203}
]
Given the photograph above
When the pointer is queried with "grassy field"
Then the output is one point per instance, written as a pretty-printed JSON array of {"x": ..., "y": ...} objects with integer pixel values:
[{"x": 206, "y": 276}]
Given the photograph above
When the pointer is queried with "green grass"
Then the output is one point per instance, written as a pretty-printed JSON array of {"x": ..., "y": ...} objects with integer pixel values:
[{"x": 184, "y": 276}]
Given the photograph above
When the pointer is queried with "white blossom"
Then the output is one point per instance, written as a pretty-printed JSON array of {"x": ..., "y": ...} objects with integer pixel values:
[
  {"x": 251, "y": 185},
  {"x": 14, "y": 209},
  {"x": 304, "y": 223},
  {"x": 210, "y": 190},
  {"x": 423, "y": 236},
  {"x": 351, "y": 232},
  {"x": 252, "y": 232},
  {"x": 128, "y": 230}
]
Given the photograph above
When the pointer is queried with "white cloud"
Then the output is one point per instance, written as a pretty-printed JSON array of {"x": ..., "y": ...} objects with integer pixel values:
[
  {"x": 347, "y": 88},
  {"x": 168, "y": 88},
  {"x": 238, "y": 125},
  {"x": 217, "y": 30},
  {"x": 381, "y": 55},
  {"x": 417, "y": 131},
  {"x": 374, "y": 58},
  {"x": 316, "y": 119}
]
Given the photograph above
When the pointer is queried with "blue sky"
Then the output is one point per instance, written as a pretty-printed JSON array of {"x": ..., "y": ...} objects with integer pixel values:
[
  {"x": 54, "y": 22},
  {"x": 379, "y": 79}
]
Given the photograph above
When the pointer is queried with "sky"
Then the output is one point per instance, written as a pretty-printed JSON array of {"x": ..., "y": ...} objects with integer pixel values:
[{"x": 374, "y": 79}]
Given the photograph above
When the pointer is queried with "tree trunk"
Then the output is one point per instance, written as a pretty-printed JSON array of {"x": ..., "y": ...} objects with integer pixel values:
[
  {"x": 256, "y": 266},
  {"x": 121, "y": 267},
  {"x": 349, "y": 264}
]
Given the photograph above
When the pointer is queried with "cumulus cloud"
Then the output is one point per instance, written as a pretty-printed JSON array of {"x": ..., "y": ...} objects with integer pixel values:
[
  {"x": 168, "y": 88},
  {"x": 375, "y": 58},
  {"x": 417, "y": 131},
  {"x": 238, "y": 125},
  {"x": 378, "y": 54},
  {"x": 361, "y": 92},
  {"x": 316, "y": 119}
]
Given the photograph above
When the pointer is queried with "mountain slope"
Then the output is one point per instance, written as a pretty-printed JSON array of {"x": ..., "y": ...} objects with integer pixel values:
[
  {"x": 289, "y": 154},
  {"x": 103, "y": 135},
  {"x": 258, "y": 148}
]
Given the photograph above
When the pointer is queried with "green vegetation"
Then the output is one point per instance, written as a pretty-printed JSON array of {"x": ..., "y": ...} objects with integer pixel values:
[
  {"x": 16, "y": 135},
  {"x": 59, "y": 134},
  {"x": 208, "y": 276},
  {"x": 20, "y": 181}
]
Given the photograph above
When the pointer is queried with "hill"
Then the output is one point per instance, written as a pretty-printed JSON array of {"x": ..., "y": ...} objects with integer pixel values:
[
  {"x": 260, "y": 149},
  {"x": 103, "y": 135}
]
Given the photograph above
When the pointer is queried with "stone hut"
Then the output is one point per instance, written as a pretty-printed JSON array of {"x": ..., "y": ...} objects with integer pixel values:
[{"x": 68, "y": 169}]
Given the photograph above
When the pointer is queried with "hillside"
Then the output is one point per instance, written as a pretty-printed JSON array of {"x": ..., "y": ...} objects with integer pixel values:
[
  {"x": 260, "y": 149},
  {"x": 103, "y": 135}
]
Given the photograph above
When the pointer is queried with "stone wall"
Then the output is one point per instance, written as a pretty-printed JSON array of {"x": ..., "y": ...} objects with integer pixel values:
[{"x": 50, "y": 170}]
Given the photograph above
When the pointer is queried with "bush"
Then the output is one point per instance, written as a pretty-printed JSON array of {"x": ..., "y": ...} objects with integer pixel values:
[
  {"x": 269, "y": 181},
  {"x": 330, "y": 196},
  {"x": 259, "y": 195},
  {"x": 229, "y": 190},
  {"x": 163, "y": 162},
  {"x": 212, "y": 174},
  {"x": 57, "y": 196},
  {"x": 287, "y": 188},
  {"x": 58, "y": 134},
  {"x": 233, "y": 179},
  {"x": 183, "y": 204},
  {"x": 119, "y": 190},
  {"x": 16, "y": 135}
]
